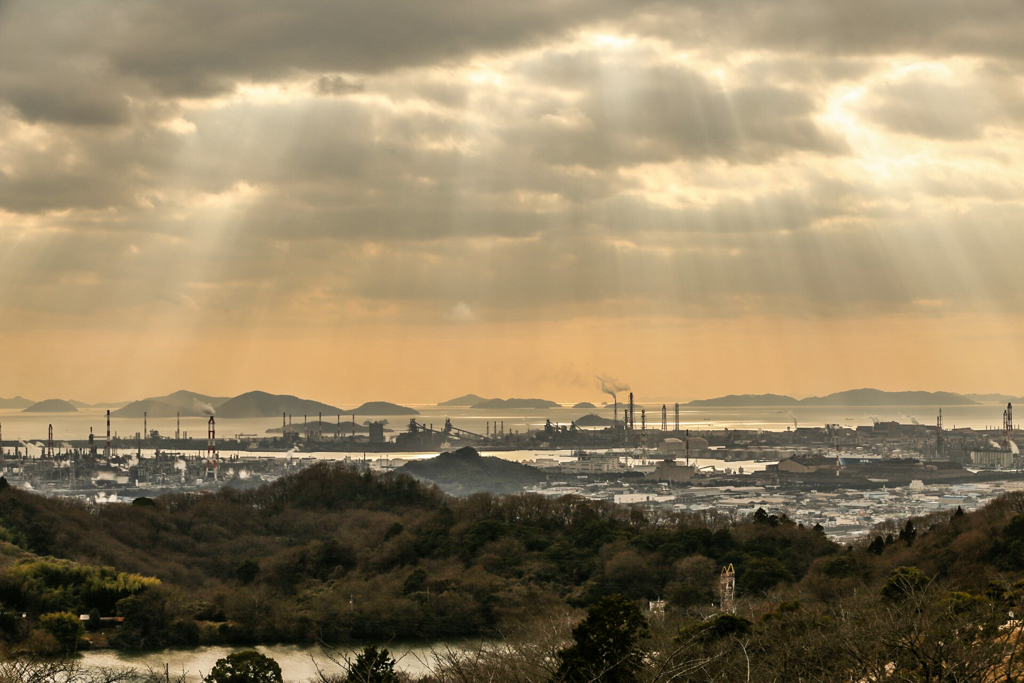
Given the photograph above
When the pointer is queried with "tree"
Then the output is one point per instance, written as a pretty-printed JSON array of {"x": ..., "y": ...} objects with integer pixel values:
[
  {"x": 762, "y": 574},
  {"x": 247, "y": 666},
  {"x": 65, "y": 627},
  {"x": 373, "y": 666},
  {"x": 904, "y": 581},
  {"x": 415, "y": 582},
  {"x": 247, "y": 570},
  {"x": 607, "y": 644},
  {"x": 908, "y": 533}
]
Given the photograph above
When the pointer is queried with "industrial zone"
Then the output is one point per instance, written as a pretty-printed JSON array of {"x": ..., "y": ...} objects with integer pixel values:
[{"x": 844, "y": 478}]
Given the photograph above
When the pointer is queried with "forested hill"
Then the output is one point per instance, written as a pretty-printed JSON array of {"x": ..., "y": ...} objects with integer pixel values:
[
  {"x": 335, "y": 553},
  {"x": 465, "y": 472}
]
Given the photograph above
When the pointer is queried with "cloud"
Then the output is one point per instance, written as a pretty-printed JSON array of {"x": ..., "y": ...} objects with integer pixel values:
[
  {"x": 337, "y": 85},
  {"x": 312, "y": 163},
  {"x": 460, "y": 313}
]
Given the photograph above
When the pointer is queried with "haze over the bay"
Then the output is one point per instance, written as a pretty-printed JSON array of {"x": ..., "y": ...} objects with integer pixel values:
[{"x": 351, "y": 201}]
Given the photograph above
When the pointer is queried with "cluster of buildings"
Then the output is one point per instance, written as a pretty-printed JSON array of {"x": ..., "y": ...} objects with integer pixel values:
[{"x": 844, "y": 513}]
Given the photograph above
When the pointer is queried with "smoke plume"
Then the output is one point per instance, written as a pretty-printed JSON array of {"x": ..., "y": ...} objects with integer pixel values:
[
  {"x": 206, "y": 409},
  {"x": 611, "y": 386},
  {"x": 792, "y": 417}
]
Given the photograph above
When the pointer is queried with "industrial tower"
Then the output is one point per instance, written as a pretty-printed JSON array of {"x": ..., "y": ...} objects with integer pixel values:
[
  {"x": 211, "y": 433},
  {"x": 1007, "y": 425}
]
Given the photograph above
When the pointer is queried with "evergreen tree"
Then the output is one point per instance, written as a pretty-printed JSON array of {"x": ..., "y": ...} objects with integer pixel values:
[
  {"x": 607, "y": 644},
  {"x": 373, "y": 666},
  {"x": 247, "y": 666}
]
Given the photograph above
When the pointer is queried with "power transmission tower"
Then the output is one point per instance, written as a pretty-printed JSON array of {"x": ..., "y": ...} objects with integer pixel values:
[{"x": 727, "y": 585}]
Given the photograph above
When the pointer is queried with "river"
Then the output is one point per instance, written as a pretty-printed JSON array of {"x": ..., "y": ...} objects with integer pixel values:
[{"x": 299, "y": 663}]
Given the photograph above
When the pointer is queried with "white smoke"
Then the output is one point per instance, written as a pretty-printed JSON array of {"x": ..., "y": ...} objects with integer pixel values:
[
  {"x": 792, "y": 417},
  {"x": 914, "y": 420},
  {"x": 611, "y": 386},
  {"x": 1013, "y": 447},
  {"x": 206, "y": 409},
  {"x": 994, "y": 444}
]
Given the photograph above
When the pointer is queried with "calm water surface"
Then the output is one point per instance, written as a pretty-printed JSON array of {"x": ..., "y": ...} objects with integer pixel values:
[
  {"x": 298, "y": 663},
  {"x": 33, "y": 426}
]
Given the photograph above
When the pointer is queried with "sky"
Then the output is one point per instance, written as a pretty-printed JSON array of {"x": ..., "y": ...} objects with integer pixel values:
[{"x": 410, "y": 200}]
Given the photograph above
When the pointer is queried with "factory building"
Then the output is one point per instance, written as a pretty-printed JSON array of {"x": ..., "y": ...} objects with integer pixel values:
[
  {"x": 991, "y": 457},
  {"x": 668, "y": 470},
  {"x": 673, "y": 446}
]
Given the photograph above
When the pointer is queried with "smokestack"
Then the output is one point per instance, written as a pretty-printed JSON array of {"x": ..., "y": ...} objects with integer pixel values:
[
  {"x": 145, "y": 424},
  {"x": 106, "y": 454},
  {"x": 211, "y": 447},
  {"x": 677, "y": 417},
  {"x": 49, "y": 443},
  {"x": 615, "y": 411},
  {"x": 92, "y": 444},
  {"x": 632, "y": 414},
  {"x": 177, "y": 429}
]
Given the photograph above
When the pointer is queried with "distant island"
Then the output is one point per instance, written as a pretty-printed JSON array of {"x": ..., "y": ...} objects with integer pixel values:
[
  {"x": 344, "y": 428},
  {"x": 585, "y": 405},
  {"x": 592, "y": 420},
  {"x": 262, "y": 404},
  {"x": 51, "y": 405},
  {"x": 184, "y": 403},
  {"x": 516, "y": 404},
  {"x": 747, "y": 400},
  {"x": 380, "y": 408},
  {"x": 16, "y": 403},
  {"x": 467, "y": 401},
  {"x": 82, "y": 405},
  {"x": 152, "y": 408},
  {"x": 465, "y": 472},
  {"x": 853, "y": 398}
]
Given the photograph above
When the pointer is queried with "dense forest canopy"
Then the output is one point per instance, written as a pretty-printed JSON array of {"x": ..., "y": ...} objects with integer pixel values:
[{"x": 332, "y": 554}]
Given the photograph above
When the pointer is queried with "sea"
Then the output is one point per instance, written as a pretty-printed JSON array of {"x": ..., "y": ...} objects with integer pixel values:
[{"x": 29, "y": 427}]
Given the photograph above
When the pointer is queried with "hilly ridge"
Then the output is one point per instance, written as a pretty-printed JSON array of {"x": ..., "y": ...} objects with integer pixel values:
[
  {"x": 262, "y": 404},
  {"x": 51, "y": 405},
  {"x": 853, "y": 398}
]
